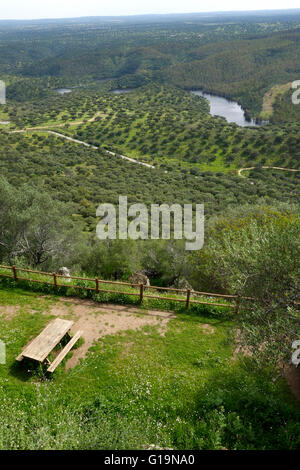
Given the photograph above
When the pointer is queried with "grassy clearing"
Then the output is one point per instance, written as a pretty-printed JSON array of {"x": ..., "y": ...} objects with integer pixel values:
[
  {"x": 270, "y": 97},
  {"x": 136, "y": 388}
]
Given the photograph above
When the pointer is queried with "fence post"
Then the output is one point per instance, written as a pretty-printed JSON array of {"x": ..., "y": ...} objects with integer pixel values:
[
  {"x": 15, "y": 273},
  {"x": 238, "y": 301},
  {"x": 141, "y": 292},
  {"x": 97, "y": 285},
  {"x": 55, "y": 279},
  {"x": 188, "y": 296}
]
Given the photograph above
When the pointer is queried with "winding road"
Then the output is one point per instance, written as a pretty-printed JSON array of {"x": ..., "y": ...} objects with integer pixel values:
[
  {"x": 265, "y": 168},
  {"x": 76, "y": 141}
]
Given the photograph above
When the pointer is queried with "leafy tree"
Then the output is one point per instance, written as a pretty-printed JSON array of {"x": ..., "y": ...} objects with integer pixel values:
[
  {"x": 255, "y": 253},
  {"x": 36, "y": 227}
]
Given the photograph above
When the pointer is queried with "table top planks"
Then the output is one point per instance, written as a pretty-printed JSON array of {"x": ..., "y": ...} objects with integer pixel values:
[{"x": 45, "y": 342}]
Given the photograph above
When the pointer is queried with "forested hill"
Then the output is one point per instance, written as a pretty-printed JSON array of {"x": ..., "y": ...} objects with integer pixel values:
[
  {"x": 257, "y": 51},
  {"x": 197, "y": 157},
  {"x": 243, "y": 69}
]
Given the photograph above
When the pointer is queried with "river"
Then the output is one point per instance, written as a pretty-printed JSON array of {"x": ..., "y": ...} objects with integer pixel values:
[{"x": 230, "y": 110}]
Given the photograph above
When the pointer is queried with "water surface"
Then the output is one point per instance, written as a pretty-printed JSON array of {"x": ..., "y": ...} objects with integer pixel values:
[{"x": 230, "y": 110}]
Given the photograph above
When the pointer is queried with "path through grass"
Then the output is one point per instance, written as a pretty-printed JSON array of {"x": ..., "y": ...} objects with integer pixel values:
[{"x": 183, "y": 389}]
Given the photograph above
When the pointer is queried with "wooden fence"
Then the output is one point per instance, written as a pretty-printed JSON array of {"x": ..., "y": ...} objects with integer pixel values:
[{"x": 143, "y": 291}]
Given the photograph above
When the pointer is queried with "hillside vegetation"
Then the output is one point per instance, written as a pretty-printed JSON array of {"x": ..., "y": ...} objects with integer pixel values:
[{"x": 171, "y": 378}]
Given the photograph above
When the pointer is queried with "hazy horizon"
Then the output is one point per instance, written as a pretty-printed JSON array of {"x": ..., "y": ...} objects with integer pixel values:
[{"x": 59, "y": 9}]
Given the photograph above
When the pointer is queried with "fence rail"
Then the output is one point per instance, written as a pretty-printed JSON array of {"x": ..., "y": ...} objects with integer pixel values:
[{"x": 15, "y": 274}]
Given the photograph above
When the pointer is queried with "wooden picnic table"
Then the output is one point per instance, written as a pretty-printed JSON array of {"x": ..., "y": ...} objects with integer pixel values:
[{"x": 41, "y": 346}]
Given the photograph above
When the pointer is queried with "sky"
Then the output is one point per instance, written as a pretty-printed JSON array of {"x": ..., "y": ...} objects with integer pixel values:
[{"x": 33, "y": 9}]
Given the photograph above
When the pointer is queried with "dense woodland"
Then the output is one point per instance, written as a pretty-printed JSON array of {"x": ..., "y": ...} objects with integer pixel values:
[
  {"x": 197, "y": 157},
  {"x": 256, "y": 53}
]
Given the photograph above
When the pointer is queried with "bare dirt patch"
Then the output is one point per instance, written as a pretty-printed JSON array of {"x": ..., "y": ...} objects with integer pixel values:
[
  {"x": 207, "y": 329},
  {"x": 8, "y": 311},
  {"x": 98, "y": 320}
]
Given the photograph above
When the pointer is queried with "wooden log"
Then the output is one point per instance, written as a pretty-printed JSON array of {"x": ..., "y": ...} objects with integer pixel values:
[
  {"x": 14, "y": 269},
  {"x": 43, "y": 273},
  {"x": 171, "y": 289},
  {"x": 238, "y": 302},
  {"x": 212, "y": 304},
  {"x": 188, "y": 296},
  {"x": 141, "y": 292},
  {"x": 210, "y": 294},
  {"x": 163, "y": 298}
]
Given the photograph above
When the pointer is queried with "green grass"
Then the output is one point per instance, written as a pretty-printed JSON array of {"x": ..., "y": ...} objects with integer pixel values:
[
  {"x": 270, "y": 98},
  {"x": 183, "y": 390}
]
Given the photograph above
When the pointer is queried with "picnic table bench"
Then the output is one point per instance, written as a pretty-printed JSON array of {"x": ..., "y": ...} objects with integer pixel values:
[{"x": 41, "y": 346}]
